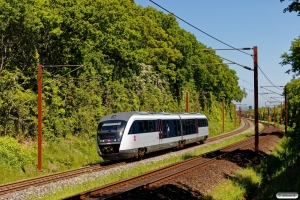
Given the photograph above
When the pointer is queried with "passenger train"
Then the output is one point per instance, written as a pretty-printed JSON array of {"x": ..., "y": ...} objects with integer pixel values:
[{"x": 132, "y": 134}]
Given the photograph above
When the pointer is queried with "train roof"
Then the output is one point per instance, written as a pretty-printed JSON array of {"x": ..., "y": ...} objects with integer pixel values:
[{"x": 126, "y": 115}]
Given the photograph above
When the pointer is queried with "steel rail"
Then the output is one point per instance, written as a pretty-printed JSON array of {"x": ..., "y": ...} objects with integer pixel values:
[
  {"x": 42, "y": 180},
  {"x": 147, "y": 179}
]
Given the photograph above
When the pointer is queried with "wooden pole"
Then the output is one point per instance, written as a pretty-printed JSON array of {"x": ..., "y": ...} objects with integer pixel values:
[
  {"x": 234, "y": 109},
  {"x": 223, "y": 116},
  {"x": 240, "y": 115},
  {"x": 255, "y": 59},
  {"x": 40, "y": 85},
  {"x": 280, "y": 112},
  {"x": 186, "y": 102},
  {"x": 286, "y": 110},
  {"x": 274, "y": 115}
]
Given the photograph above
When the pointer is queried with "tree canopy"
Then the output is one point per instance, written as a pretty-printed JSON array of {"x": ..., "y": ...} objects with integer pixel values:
[
  {"x": 134, "y": 59},
  {"x": 293, "y": 7},
  {"x": 293, "y": 58}
]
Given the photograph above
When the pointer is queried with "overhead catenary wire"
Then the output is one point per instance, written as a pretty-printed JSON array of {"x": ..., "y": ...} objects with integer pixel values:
[
  {"x": 267, "y": 78},
  {"x": 273, "y": 91},
  {"x": 232, "y": 62},
  {"x": 64, "y": 74},
  {"x": 199, "y": 29},
  {"x": 246, "y": 81},
  {"x": 247, "y": 89},
  {"x": 210, "y": 36},
  {"x": 264, "y": 95}
]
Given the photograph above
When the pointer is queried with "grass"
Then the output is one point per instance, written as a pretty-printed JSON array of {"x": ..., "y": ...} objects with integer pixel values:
[
  {"x": 18, "y": 161},
  {"x": 244, "y": 182},
  {"x": 278, "y": 172},
  {"x": 68, "y": 191}
]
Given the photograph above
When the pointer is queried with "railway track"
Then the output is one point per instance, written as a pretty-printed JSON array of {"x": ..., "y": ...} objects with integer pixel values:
[
  {"x": 116, "y": 190},
  {"x": 245, "y": 126},
  {"x": 24, "y": 184}
]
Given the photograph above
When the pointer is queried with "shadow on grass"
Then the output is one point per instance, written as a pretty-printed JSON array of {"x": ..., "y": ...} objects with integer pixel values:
[{"x": 279, "y": 172}]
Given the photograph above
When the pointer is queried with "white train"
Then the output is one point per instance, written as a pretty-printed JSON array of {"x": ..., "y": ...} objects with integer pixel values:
[{"x": 132, "y": 134}]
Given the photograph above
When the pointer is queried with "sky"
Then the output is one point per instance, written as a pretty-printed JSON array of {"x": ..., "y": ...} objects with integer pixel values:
[{"x": 241, "y": 24}]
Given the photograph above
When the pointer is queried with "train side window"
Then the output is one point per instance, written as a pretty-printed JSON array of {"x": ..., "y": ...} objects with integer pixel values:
[
  {"x": 200, "y": 124},
  {"x": 179, "y": 127},
  {"x": 171, "y": 127},
  {"x": 192, "y": 126},
  {"x": 141, "y": 127},
  {"x": 206, "y": 122},
  {"x": 184, "y": 126},
  {"x": 134, "y": 127},
  {"x": 151, "y": 126},
  {"x": 187, "y": 127},
  {"x": 131, "y": 130},
  {"x": 175, "y": 127},
  {"x": 156, "y": 126},
  {"x": 145, "y": 126}
]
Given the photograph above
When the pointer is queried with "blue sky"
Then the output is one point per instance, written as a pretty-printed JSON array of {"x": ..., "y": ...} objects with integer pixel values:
[{"x": 242, "y": 23}]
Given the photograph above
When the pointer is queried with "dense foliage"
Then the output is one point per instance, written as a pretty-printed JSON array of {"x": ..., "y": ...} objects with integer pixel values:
[
  {"x": 293, "y": 94},
  {"x": 293, "y": 59},
  {"x": 134, "y": 59},
  {"x": 293, "y": 7}
]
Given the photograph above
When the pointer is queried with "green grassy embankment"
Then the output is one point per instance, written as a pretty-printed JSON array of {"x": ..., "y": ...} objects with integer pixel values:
[
  {"x": 277, "y": 172},
  {"x": 19, "y": 160}
]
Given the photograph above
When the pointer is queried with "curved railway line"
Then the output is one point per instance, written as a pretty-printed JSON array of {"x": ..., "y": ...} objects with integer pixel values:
[
  {"x": 153, "y": 178},
  {"x": 24, "y": 184}
]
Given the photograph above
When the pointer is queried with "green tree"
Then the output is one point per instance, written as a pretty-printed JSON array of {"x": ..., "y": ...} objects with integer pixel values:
[
  {"x": 134, "y": 59},
  {"x": 293, "y": 7},
  {"x": 293, "y": 58}
]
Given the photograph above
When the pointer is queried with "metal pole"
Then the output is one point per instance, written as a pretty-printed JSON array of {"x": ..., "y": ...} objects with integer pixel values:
[
  {"x": 256, "y": 97},
  {"x": 240, "y": 115},
  {"x": 286, "y": 110},
  {"x": 187, "y": 102},
  {"x": 223, "y": 116},
  {"x": 274, "y": 115},
  {"x": 40, "y": 81},
  {"x": 280, "y": 112},
  {"x": 234, "y": 109}
]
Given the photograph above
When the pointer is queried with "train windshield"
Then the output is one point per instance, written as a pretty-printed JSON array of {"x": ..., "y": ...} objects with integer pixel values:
[{"x": 111, "y": 129}]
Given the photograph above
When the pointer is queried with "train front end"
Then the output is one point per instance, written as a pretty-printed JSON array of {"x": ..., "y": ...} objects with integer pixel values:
[{"x": 109, "y": 138}]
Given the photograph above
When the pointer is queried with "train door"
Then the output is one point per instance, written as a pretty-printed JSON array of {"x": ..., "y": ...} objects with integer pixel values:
[{"x": 160, "y": 133}]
